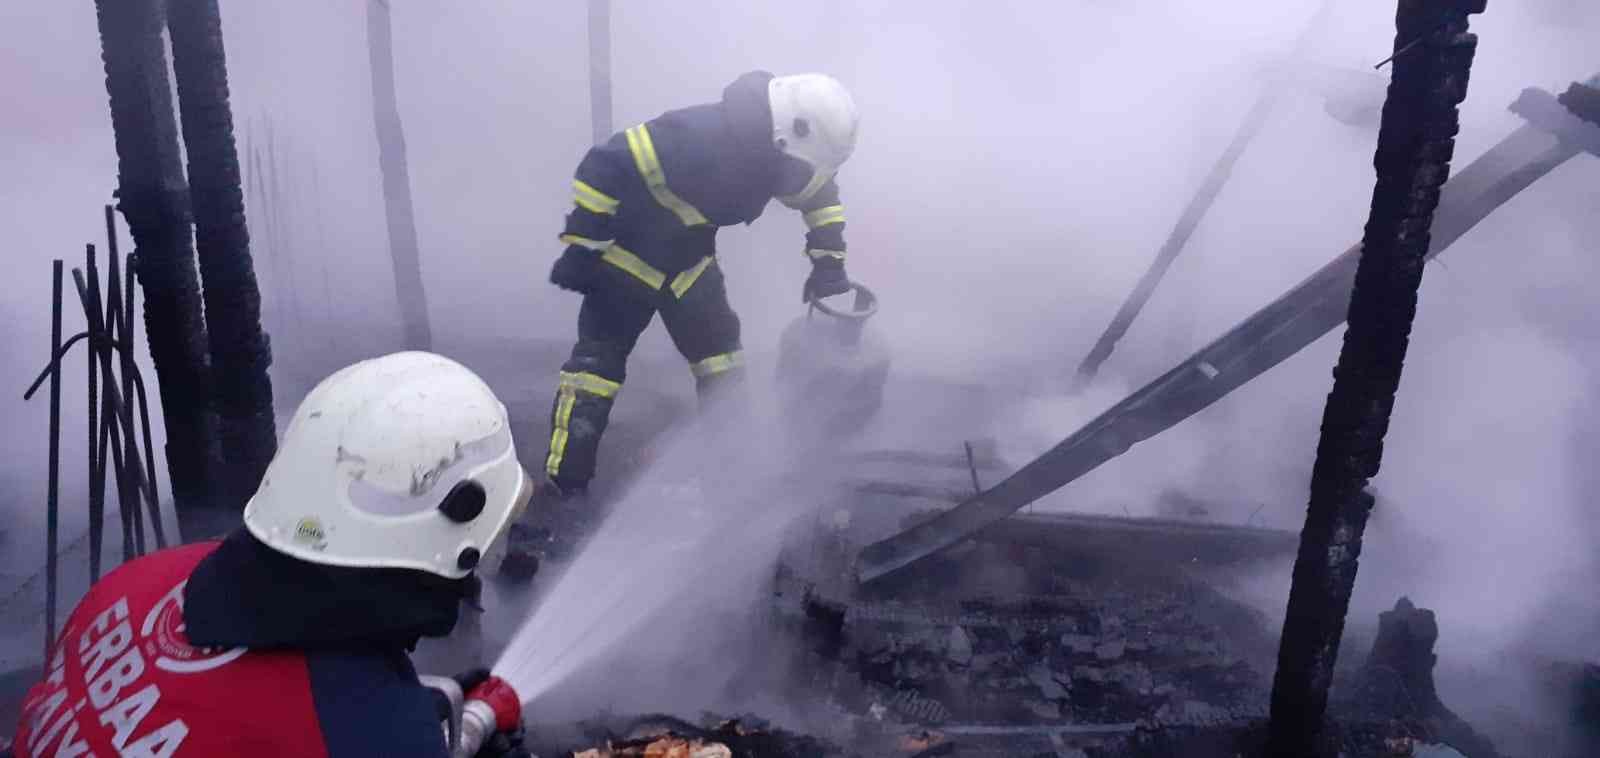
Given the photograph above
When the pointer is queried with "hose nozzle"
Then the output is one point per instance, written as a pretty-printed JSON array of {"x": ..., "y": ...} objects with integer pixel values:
[{"x": 490, "y": 707}]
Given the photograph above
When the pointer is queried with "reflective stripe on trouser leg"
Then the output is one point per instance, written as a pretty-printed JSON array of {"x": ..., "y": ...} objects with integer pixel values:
[{"x": 577, "y": 421}]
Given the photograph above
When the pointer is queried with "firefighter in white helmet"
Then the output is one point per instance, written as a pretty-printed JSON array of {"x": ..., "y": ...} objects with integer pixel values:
[
  {"x": 640, "y": 239},
  {"x": 291, "y": 636}
]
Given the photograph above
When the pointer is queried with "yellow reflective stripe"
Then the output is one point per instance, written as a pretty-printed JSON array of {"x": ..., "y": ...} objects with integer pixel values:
[
  {"x": 566, "y": 397},
  {"x": 818, "y": 253},
  {"x": 644, "y": 157},
  {"x": 633, "y": 264},
  {"x": 833, "y": 214},
  {"x": 593, "y": 199},
  {"x": 682, "y": 282},
  {"x": 573, "y": 239},
  {"x": 718, "y": 364},
  {"x": 593, "y": 384}
]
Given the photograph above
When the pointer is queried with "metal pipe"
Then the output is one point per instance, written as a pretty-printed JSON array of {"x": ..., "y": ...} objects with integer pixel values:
[{"x": 52, "y": 502}]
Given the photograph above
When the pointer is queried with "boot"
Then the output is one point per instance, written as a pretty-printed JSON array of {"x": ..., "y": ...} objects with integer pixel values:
[{"x": 556, "y": 519}]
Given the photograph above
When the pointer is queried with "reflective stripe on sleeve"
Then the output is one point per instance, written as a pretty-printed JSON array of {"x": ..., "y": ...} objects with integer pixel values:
[
  {"x": 592, "y": 199},
  {"x": 596, "y": 245}
]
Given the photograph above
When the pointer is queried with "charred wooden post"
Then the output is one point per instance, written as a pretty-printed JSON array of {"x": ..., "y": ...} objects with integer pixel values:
[
  {"x": 396, "y": 181},
  {"x": 1415, "y": 144},
  {"x": 154, "y": 199},
  {"x": 600, "y": 69},
  {"x": 239, "y": 348}
]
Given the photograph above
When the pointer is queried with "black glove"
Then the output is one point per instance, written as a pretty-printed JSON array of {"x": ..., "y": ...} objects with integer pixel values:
[
  {"x": 578, "y": 270},
  {"x": 471, "y": 678},
  {"x": 826, "y": 280},
  {"x": 505, "y": 745}
]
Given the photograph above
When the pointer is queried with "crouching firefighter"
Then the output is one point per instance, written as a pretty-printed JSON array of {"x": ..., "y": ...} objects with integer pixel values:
[
  {"x": 641, "y": 239},
  {"x": 290, "y": 637}
]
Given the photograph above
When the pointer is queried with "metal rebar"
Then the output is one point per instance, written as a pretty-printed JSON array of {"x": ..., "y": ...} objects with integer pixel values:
[
  {"x": 100, "y": 347},
  {"x": 111, "y": 318},
  {"x": 52, "y": 492},
  {"x": 135, "y": 384},
  {"x": 132, "y": 470},
  {"x": 44, "y": 374},
  {"x": 96, "y": 495}
]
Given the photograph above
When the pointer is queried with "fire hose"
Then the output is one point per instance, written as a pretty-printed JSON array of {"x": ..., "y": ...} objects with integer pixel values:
[{"x": 473, "y": 716}]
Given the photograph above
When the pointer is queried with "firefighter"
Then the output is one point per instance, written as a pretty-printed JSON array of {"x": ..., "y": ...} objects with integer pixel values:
[
  {"x": 290, "y": 637},
  {"x": 641, "y": 236}
]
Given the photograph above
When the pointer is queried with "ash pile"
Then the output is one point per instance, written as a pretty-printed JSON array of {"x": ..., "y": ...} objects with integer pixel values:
[{"x": 1063, "y": 635}]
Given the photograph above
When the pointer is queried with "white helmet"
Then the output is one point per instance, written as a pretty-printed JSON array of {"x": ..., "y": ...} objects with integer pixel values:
[
  {"x": 404, "y": 461},
  {"x": 814, "y": 119}
]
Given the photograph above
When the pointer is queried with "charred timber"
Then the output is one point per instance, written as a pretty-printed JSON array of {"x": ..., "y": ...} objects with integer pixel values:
[
  {"x": 1415, "y": 144},
  {"x": 239, "y": 350},
  {"x": 396, "y": 181},
  {"x": 154, "y": 199}
]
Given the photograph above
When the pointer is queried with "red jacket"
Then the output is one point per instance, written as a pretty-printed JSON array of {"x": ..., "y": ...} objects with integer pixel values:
[{"x": 123, "y": 680}]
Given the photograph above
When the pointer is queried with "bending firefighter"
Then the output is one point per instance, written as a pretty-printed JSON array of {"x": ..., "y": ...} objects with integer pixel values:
[
  {"x": 291, "y": 636},
  {"x": 641, "y": 238}
]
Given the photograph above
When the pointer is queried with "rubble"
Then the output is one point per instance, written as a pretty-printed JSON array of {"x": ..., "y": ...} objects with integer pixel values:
[
  {"x": 662, "y": 736},
  {"x": 1011, "y": 649}
]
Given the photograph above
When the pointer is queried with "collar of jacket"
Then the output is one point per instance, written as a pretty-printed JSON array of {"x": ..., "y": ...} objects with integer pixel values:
[{"x": 247, "y": 594}]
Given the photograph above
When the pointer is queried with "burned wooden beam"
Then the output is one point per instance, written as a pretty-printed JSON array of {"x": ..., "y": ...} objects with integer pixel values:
[
  {"x": 396, "y": 181},
  {"x": 600, "y": 70},
  {"x": 240, "y": 386},
  {"x": 153, "y": 197},
  {"x": 1434, "y": 53},
  {"x": 1140, "y": 539}
]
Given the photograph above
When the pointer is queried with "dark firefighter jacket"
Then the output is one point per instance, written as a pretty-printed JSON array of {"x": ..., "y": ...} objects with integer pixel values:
[
  {"x": 650, "y": 200},
  {"x": 232, "y": 649}
]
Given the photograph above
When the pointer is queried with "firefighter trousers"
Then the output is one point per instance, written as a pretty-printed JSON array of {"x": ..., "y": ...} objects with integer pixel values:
[{"x": 702, "y": 326}]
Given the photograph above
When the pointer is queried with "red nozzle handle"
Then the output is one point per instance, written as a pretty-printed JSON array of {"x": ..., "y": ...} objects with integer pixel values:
[{"x": 502, "y": 699}]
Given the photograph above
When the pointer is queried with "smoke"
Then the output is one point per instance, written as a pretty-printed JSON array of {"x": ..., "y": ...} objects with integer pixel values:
[
  {"x": 1020, "y": 163},
  {"x": 665, "y": 608}
]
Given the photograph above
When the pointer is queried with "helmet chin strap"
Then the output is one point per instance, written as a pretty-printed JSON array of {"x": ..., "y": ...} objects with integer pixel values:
[{"x": 818, "y": 178}]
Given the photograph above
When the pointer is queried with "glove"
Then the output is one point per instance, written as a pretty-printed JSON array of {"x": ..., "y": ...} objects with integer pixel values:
[
  {"x": 826, "y": 280},
  {"x": 577, "y": 269},
  {"x": 471, "y": 678},
  {"x": 505, "y": 745}
]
